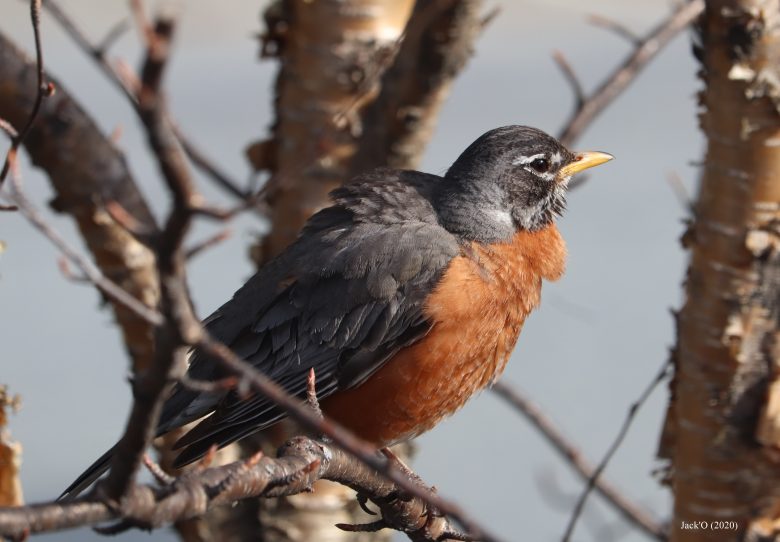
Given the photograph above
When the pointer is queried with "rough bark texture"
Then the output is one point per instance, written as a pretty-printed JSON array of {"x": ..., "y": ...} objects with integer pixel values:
[
  {"x": 329, "y": 53},
  {"x": 722, "y": 434},
  {"x": 86, "y": 171},
  {"x": 439, "y": 41},
  {"x": 10, "y": 455}
]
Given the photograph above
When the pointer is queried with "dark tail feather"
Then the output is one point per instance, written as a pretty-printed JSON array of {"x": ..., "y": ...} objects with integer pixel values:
[{"x": 87, "y": 477}]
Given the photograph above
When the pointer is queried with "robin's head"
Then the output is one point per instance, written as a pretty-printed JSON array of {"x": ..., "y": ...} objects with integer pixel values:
[{"x": 510, "y": 179}]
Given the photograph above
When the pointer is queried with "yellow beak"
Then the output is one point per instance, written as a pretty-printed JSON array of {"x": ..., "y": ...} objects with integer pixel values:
[{"x": 583, "y": 161}]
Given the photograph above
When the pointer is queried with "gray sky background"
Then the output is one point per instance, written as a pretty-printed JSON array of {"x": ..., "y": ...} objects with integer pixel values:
[{"x": 601, "y": 334}]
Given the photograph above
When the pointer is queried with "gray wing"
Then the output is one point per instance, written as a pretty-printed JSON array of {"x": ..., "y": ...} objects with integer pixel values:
[{"x": 341, "y": 300}]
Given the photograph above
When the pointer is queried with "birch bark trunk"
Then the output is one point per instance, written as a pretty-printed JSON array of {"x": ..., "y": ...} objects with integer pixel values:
[{"x": 722, "y": 434}]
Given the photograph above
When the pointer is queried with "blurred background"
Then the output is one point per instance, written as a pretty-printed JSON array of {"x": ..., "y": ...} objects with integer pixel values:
[{"x": 599, "y": 338}]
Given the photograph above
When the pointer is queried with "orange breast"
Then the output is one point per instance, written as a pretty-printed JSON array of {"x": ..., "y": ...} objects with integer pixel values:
[{"x": 477, "y": 310}]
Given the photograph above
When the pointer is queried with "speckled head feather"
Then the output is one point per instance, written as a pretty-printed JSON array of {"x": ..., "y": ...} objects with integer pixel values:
[{"x": 508, "y": 180}]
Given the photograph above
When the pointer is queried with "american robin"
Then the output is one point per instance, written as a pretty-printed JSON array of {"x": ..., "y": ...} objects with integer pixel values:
[{"x": 406, "y": 296}]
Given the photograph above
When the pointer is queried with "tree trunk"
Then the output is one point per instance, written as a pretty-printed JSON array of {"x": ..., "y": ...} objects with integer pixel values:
[
  {"x": 722, "y": 434},
  {"x": 10, "y": 455},
  {"x": 332, "y": 54}
]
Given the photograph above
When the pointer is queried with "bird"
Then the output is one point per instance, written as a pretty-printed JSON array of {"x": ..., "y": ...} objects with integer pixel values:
[{"x": 406, "y": 296}]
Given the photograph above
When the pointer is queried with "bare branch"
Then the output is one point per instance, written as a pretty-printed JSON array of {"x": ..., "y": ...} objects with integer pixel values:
[
  {"x": 44, "y": 90},
  {"x": 437, "y": 44},
  {"x": 630, "y": 511},
  {"x": 617, "y": 81},
  {"x": 571, "y": 77},
  {"x": 208, "y": 167},
  {"x": 86, "y": 170},
  {"x": 9, "y": 129},
  {"x": 616, "y": 27},
  {"x": 301, "y": 462},
  {"x": 114, "y": 33},
  {"x": 119, "y": 76},
  {"x": 664, "y": 372},
  {"x": 178, "y": 331},
  {"x": 680, "y": 192},
  {"x": 208, "y": 243},
  {"x": 109, "y": 288},
  {"x": 144, "y": 233}
]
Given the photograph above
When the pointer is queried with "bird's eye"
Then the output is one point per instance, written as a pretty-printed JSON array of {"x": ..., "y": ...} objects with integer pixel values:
[{"x": 541, "y": 165}]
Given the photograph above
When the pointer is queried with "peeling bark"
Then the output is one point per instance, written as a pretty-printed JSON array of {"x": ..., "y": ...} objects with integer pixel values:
[
  {"x": 722, "y": 434},
  {"x": 10, "y": 455},
  {"x": 439, "y": 41},
  {"x": 86, "y": 171},
  {"x": 328, "y": 52}
]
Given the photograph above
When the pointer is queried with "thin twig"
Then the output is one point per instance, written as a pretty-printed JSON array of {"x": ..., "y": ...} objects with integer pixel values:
[
  {"x": 571, "y": 77},
  {"x": 616, "y": 27},
  {"x": 107, "y": 287},
  {"x": 44, "y": 90},
  {"x": 9, "y": 129},
  {"x": 681, "y": 192},
  {"x": 208, "y": 243},
  {"x": 124, "y": 84},
  {"x": 114, "y": 33},
  {"x": 630, "y": 416},
  {"x": 626, "y": 72},
  {"x": 173, "y": 336},
  {"x": 210, "y": 168},
  {"x": 144, "y": 233},
  {"x": 632, "y": 512}
]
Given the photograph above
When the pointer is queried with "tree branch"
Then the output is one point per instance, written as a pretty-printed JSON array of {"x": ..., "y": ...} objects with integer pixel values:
[
  {"x": 300, "y": 463},
  {"x": 616, "y": 82},
  {"x": 180, "y": 327},
  {"x": 98, "y": 54},
  {"x": 631, "y": 512},
  {"x": 44, "y": 90},
  {"x": 438, "y": 42},
  {"x": 106, "y": 286},
  {"x": 88, "y": 175}
]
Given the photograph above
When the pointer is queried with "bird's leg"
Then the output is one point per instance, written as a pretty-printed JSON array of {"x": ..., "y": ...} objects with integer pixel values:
[{"x": 311, "y": 393}]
